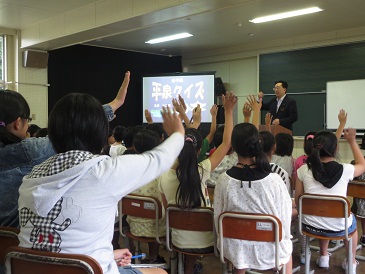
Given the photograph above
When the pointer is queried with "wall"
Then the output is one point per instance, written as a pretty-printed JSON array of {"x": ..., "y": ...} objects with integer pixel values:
[
  {"x": 239, "y": 76},
  {"x": 100, "y": 72}
]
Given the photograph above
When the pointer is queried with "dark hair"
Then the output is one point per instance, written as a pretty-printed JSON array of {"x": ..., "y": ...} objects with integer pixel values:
[
  {"x": 283, "y": 83},
  {"x": 130, "y": 132},
  {"x": 43, "y": 132},
  {"x": 284, "y": 144},
  {"x": 145, "y": 140},
  {"x": 32, "y": 129},
  {"x": 246, "y": 143},
  {"x": 12, "y": 106},
  {"x": 267, "y": 140},
  {"x": 118, "y": 133},
  {"x": 189, "y": 193},
  {"x": 218, "y": 136},
  {"x": 157, "y": 128},
  {"x": 324, "y": 145},
  {"x": 78, "y": 122},
  {"x": 308, "y": 142},
  {"x": 362, "y": 145}
]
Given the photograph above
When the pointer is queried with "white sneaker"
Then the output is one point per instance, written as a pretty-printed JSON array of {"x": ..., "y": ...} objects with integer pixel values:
[
  {"x": 323, "y": 261},
  {"x": 344, "y": 266}
]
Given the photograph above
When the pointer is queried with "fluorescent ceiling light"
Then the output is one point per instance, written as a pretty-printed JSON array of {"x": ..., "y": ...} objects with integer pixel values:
[
  {"x": 169, "y": 38},
  {"x": 285, "y": 15}
]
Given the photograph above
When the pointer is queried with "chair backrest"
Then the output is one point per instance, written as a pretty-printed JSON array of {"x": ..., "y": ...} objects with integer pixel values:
[
  {"x": 356, "y": 189},
  {"x": 195, "y": 219},
  {"x": 24, "y": 260},
  {"x": 140, "y": 206},
  {"x": 8, "y": 238},
  {"x": 250, "y": 227},
  {"x": 330, "y": 206}
]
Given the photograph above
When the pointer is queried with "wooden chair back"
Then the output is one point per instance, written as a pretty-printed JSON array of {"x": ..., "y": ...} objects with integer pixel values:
[
  {"x": 356, "y": 189},
  {"x": 143, "y": 207},
  {"x": 24, "y": 260},
  {"x": 251, "y": 227},
  {"x": 8, "y": 238},
  {"x": 196, "y": 219}
]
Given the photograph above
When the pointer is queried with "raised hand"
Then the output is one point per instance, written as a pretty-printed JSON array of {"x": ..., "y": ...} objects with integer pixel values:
[
  {"x": 171, "y": 121},
  {"x": 148, "y": 116}
]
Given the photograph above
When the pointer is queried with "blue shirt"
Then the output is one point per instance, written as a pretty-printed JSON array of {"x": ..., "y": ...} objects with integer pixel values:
[{"x": 16, "y": 161}]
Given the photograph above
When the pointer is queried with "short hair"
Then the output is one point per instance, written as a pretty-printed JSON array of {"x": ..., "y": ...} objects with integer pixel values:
[
  {"x": 267, "y": 141},
  {"x": 43, "y": 132},
  {"x": 145, "y": 140},
  {"x": 283, "y": 83},
  {"x": 218, "y": 136},
  {"x": 118, "y": 133},
  {"x": 157, "y": 128},
  {"x": 78, "y": 122},
  {"x": 32, "y": 129},
  {"x": 12, "y": 106},
  {"x": 129, "y": 135},
  {"x": 284, "y": 144}
]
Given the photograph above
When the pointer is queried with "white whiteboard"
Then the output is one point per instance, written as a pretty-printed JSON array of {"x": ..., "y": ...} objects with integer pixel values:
[{"x": 347, "y": 95}]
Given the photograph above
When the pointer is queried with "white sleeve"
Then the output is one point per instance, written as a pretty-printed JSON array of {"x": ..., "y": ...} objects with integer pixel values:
[{"x": 125, "y": 173}]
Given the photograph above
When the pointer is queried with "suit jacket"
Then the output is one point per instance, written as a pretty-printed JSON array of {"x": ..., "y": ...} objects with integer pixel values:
[{"x": 287, "y": 112}]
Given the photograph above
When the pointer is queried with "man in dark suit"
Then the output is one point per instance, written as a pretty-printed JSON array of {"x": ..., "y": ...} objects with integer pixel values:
[{"x": 282, "y": 108}]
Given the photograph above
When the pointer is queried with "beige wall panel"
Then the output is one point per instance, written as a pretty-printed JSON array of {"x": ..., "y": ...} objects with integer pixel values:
[
  {"x": 144, "y": 6},
  {"x": 110, "y": 11},
  {"x": 52, "y": 28},
  {"x": 80, "y": 19},
  {"x": 30, "y": 36}
]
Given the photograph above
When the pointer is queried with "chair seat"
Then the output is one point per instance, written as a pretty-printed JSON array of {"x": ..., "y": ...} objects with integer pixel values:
[
  {"x": 143, "y": 239},
  {"x": 326, "y": 237},
  {"x": 177, "y": 249}
]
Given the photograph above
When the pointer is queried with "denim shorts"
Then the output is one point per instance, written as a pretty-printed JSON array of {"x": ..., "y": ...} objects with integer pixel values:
[
  {"x": 128, "y": 270},
  {"x": 329, "y": 233}
]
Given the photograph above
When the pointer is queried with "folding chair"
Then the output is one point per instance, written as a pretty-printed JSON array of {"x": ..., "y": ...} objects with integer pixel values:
[
  {"x": 142, "y": 207},
  {"x": 8, "y": 238},
  {"x": 25, "y": 260},
  {"x": 329, "y": 206},
  {"x": 250, "y": 227},
  {"x": 356, "y": 189},
  {"x": 196, "y": 219}
]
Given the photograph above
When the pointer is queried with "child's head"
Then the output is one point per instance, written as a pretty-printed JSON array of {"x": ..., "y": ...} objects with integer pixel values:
[
  {"x": 218, "y": 136},
  {"x": 193, "y": 140},
  {"x": 308, "y": 142},
  {"x": 267, "y": 142},
  {"x": 13, "y": 107},
  {"x": 129, "y": 136},
  {"x": 324, "y": 145},
  {"x": 78, "y": 122},
  {"x": 32, "y": 129},
  {"x": 158, "y": 129},
  {"x": 246, "y": 143},
  {"x": 118, "y": 133},
  {"x": 284, "y": 144},
  {"x": 145, "y": 140}
]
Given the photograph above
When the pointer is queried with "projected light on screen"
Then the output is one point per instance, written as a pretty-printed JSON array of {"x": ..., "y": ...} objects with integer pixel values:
[{"x": 195, "y": 88}]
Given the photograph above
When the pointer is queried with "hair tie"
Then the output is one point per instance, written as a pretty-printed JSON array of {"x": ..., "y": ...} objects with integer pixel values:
[
  {"x": 319, "y": 146},
  {"x": 310, "y": 137},
  {"x": 253, "y": 147},
  {"x": 192, "y": 139},
  {"x": 2, "y": 124}
]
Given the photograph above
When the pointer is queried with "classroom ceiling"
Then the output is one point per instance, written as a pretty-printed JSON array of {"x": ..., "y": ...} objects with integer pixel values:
[{"x": 222, "y": 25}]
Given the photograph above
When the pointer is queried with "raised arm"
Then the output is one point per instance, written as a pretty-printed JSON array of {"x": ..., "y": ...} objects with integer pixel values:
[
  {"x": 350, "y": 136},
  {"x": 268, "y": 119},
  {"x": 148, "y": 116},
  {"x": 229, "y": 101},
  {"x": 213, "y": 125},
  {"x": 196, "y": 118},
  {"x": 181, "y": 110},
  {"x": 246, "y": 110},
  {"x": 342, "y": 118},
  {"x": 122, "y": 93},
  {"x": 255, "y": 106}
]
